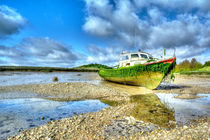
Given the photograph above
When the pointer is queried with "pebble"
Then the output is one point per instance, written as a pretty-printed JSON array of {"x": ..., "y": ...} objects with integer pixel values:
[
  {"x": 185, "y": 127},
  {"x": 42, "y": 118}
]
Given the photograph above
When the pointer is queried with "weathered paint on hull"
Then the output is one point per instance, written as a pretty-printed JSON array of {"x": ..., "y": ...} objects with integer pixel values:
[{"x": 150, "y": 80}]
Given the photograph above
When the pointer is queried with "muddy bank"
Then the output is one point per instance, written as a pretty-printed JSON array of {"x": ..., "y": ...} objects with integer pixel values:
[
  {"x": 68, "y": 91},
  {"x": 183, "y": 84},
  {"x": 186, "y": 84}
]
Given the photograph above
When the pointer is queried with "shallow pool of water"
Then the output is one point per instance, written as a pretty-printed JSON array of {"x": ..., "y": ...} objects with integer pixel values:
[
  {"x": 19, "y": 78},
  {"x": 21, "y": 114},
  {"x": 187, "y": 109}
]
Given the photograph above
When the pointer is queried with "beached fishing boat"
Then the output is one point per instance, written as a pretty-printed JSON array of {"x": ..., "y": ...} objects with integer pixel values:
[{"x": 140, "y": 69}]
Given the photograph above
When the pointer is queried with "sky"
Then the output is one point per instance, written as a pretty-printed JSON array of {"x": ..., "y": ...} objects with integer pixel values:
[{"x": 69, "y": 33}]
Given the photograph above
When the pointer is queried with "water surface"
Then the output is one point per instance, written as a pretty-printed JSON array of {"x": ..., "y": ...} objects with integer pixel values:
[
  {"x": 25, "y": 113},
  {"x": 20, "y": 78},
  {"x": 187, "y": 109}
]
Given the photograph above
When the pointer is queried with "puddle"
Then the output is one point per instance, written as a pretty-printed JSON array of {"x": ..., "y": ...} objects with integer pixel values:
[
  {"x": 187, "y": 109},
  {"x": 161, "y": 109},
  {"x": 150, "y": 109},
  {"x": 22, "y": 114}
]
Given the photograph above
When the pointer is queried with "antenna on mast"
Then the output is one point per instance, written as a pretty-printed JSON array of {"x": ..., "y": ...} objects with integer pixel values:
[
  {"x": 134, "y": 37},
  {"x": 174, "y": 52}
]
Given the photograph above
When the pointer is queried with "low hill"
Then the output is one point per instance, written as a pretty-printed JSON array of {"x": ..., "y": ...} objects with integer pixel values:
[
  {"x": 93, "y": 67},
  {"x": 44, "y": 69},
  {"x": 83, "y": 68},
  {"x": 205, "y": 69}
]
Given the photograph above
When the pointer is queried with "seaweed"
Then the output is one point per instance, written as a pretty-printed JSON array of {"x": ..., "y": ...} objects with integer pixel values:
[
  {"x": 137, "y": 69},
  {"x": 150, "y": 109}
]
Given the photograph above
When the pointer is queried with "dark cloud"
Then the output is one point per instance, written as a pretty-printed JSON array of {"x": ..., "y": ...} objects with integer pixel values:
[
  {"x": 48, "y": 49},
  {"x": 40, "y": 52},
  {"x": 173, "y": 34},
  {"x": 10, "y": 21},
  {"x": 193, "y": 51},
  {"x": 9, "y": 52},
  {"x": 163, "y": 24}
]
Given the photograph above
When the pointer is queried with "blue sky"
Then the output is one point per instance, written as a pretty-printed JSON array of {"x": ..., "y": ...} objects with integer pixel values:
[
  {"x": 67, "y": 33},
  {"x": 57, "y": 19}
]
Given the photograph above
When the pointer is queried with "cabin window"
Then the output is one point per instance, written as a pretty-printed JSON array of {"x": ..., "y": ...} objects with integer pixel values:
[
  {"x": 125, "y": 57},
  {"x": 143, "y": 55},
  {"x": 134, "y": 56}
]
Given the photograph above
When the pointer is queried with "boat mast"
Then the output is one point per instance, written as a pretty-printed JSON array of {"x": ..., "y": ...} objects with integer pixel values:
[
  {"x": 134, "y": 37},
  {"x": 174, "y": 52}
]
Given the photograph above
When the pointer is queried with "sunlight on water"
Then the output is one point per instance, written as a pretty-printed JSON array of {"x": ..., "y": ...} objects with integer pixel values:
[
  {"x": 19, "y": 78},
  {"x": 187, "y": 109},
  {"x": 22, "y": 114}
]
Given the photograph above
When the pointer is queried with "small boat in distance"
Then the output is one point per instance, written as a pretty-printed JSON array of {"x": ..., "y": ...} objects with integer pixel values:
[{"x": 139, "y": 69}]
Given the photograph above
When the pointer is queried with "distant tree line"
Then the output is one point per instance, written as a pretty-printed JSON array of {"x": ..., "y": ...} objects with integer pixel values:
[
  {"x": 95, "y": 65},
  {"x": 83, "y": 68},
  {"x": 192, "y": 65},
  {"x": 207, "y": 63},
  {"x": 44, "y": 69}
]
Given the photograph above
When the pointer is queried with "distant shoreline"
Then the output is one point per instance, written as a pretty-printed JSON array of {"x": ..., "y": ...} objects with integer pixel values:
[{"x": 45, "y": 69}]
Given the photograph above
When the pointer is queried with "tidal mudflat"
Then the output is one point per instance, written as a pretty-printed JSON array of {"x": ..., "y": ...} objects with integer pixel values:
[
  {"x": 134, "y": 111},
  {"x": 25, "y": 78}
]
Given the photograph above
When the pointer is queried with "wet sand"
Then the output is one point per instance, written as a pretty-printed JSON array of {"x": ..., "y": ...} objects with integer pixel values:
[
  {"x": 190, "y": 85},
  {"x": 67, "y": 91}
]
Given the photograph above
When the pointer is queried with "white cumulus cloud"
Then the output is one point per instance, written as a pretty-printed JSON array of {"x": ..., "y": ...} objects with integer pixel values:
[
  {"x": 93, "y": 24},
  {"x": 35, "y": 51},
  {"x": 150, "y": 25}
]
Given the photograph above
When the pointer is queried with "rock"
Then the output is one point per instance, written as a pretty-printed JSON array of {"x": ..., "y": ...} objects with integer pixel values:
[
  {"x": 79, "y": 74},
  {"x": 157, "y": 105},
  {"x": 42, "y": 118},
  {"x": 185, "y": 127},
  {"x": 55, "y": 79},
  {"x": 131, "y": 120}
]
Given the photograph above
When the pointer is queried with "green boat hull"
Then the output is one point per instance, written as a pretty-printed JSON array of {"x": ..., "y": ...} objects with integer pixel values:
[
  {"x": 149, "y": 76},
  {"x": 150, "y": 80}
]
